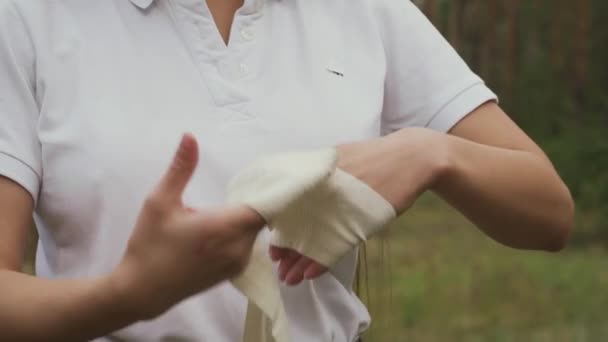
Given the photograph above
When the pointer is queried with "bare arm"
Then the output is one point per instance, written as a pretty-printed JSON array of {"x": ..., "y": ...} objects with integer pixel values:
[
  {"x": 34, "y": 309},
  {"x": 502, "y": 181},
  {"x": 145, "y": 284},
  {"x": 487, "y": 168}
]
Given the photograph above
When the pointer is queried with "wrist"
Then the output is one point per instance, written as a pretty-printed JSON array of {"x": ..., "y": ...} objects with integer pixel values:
[
  {"x": 445, "y": 161},
  {"x": 124, "y": 293},
  {"x": 432, "y": 154},
  {"x": 437, "y": 156}
]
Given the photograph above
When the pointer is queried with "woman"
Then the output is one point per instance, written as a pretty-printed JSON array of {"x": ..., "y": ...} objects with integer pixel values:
[{"x": 94, "y": 97}]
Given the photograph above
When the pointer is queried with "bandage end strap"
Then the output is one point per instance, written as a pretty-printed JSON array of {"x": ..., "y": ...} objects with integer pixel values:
[
  {"x": 337, "y": 216},
  {"x": 269, "y": 186},
  {"x": 312, "y": 207}
]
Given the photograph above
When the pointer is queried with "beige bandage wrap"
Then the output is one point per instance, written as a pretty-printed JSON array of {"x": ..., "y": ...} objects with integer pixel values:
[
  {"x": 326, "y": 223},
  {"x": 312, "y": 207}
]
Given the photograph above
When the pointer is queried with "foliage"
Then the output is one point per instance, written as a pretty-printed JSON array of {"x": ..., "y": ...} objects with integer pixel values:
[
  {"x": 546, "y": 59},
  {"x": 449, "y": 282}
]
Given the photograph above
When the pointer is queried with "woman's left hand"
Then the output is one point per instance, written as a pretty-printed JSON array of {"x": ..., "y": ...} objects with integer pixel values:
[{"x": 399, "y": 166}]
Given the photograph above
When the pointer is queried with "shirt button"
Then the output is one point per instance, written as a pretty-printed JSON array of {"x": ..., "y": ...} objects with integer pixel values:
[
  {"x": 247, "y": 34},
  {"x": 243, "y": 69}
]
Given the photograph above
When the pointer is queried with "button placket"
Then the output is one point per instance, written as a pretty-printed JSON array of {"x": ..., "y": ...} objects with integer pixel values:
[
  {"x": 243, "y": 70},
  {"x": 233, "y": 70},
  {"x": 223, "y": 68},
  {"x": 247, "y": 34},
  {"x": 235, "y": 63}
]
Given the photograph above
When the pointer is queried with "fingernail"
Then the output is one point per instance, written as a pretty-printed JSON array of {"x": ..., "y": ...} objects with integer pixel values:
[
  {"x": 293, "y": 282},
  {"x": 186, "y": 142}
]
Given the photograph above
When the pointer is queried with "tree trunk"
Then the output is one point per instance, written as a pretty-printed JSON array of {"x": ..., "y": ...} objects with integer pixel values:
[
  {"x": 431, "y": 9},
  {"x": 512, "y": 8},
  {"x": 455, "y": 23},
  {"x": 559, "y": 35},
  {"x": 487, "y": 57},
  {"x": 581, "y": 50}
]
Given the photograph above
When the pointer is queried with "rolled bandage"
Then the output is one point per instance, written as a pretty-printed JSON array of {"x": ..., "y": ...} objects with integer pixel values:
[
  {"x": 269, "y": 186},
  {"x": 266, "y": 320},
  {"x": 312, "y": 207},
  {"x": 332, "y": 219}
]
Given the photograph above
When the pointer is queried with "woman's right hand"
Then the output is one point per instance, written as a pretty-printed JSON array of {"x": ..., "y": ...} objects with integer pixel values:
[{"x": 176, "y": 251}]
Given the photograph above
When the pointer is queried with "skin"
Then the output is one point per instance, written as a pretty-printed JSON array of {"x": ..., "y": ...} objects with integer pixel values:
[
  {"x": 223, "y": 14},
  {"x": 487, "y": 168},
  {"x": 166, "y": 234}
]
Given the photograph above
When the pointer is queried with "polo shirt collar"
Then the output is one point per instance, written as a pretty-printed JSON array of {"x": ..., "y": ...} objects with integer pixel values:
[
  {"x": 253, "y": 5},
  {"x": 143, "y": 4}
]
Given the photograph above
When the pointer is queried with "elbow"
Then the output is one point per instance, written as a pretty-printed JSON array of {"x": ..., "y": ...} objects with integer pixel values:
[
  {"x": 558, "y": 242},
  {"x": 563, "y": 224}
]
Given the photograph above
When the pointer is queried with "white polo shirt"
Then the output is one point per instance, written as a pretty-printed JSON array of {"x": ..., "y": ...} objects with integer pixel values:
[{"x": 94, "y": 96}]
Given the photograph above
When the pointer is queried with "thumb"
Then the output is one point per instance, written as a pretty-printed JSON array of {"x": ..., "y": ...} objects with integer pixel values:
[{"x": 182, "y": 167}]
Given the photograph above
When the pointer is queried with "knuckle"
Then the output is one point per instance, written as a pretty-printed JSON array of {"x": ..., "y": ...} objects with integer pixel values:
[
  {"x": 237, "y": 260},
  {"x": 154, "y": 203}
]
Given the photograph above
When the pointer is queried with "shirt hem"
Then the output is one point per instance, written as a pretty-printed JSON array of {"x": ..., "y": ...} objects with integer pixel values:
[
  {"x": 21, "y": 173},
  {"x": 460, "y": 106}
]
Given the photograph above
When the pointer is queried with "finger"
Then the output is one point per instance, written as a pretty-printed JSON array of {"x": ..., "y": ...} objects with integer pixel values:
[
  {"x": 182, "y": 167},
  {"x": 277, "y": 253},
  {"x": 314, "y": 270},
  {"x": 296, "y": 273},
  {"x": 248, "y": 216},
  {"x": 237, "y": 223},
  {"x": 242, "y": 218},
  {"x": 286, "y": 263}
]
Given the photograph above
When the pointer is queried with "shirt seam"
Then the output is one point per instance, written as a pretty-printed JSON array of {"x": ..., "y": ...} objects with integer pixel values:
[
  {"x": 442, "y": 109},
  {"x": 20, "y": 161}
]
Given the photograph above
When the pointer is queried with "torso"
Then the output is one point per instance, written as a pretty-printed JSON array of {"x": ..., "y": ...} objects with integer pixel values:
[
  {"x": 98, "y": 94},
  {"x": 115, "y": 101}
]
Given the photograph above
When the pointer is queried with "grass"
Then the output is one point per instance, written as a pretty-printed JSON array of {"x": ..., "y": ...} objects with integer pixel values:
[
  {"x": 448, "y": 282},
  {"x": 445, "y": 281}
]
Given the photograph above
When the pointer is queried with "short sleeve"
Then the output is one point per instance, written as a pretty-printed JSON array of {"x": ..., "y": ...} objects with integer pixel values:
[
  {"x": 427, "y": 83},
  {"x": 19, "y": 144}
]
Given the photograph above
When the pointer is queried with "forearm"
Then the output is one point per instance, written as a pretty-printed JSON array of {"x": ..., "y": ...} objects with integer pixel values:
[
  {"x": 35, "y": 309},
  {"x": 515, "y": 197}
]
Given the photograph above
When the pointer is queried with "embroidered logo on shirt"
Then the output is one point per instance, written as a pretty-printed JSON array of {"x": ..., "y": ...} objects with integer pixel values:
[{"x": 337, "y": 73}]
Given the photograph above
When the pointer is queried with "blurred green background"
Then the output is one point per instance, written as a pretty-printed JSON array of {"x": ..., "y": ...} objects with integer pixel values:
[{"x": 437, "y": 278}]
